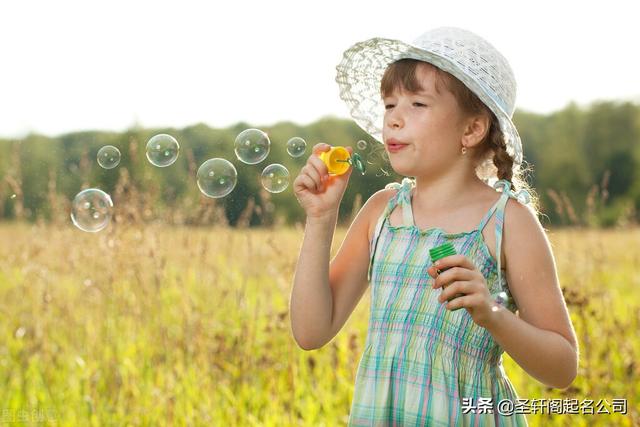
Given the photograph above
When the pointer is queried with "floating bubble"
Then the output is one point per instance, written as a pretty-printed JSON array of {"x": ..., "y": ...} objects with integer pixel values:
[
  {"x": 275, "y": 178},
  {"x": 378, "y": 157},
  {"x": 108, "y": 157},
  {"x": 296, "y": 146},
  {"x": 217, "y": 177},
  {"x": 91, "y": 210},
  {"x": 383, "y": 172},
  {"x": 502, "y": 298},
  {"x": 361, "y": 145},
  {"x": 252, "y": 146},
  {"x": 162, "y": 150}
]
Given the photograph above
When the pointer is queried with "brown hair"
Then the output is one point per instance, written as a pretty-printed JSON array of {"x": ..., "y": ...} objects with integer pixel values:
[{"x": 492, "y": 159}]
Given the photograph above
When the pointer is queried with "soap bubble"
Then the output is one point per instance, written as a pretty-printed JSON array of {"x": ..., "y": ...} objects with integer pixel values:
[
  {"x": 162, "y": 150},
  {"x": 108, "y": 157},
  {"x": 296, "y": 146},
  {"x": 275, "y": 178},
  {"x": 91, "y": 210},
  {"x": 379, "y": 158},
  {"x": 502, "y": 298},
  {"x": 361, "y": 145},
  {"x": 252, "y": 146},
  {"x": 383, "y": 172},
  {"x": 217, "y": 177}
]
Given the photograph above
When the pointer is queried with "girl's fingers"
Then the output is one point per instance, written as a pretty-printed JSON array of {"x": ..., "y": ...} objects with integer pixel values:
[
  {"x": 459, "y": 302},
  {"x": 433, "y": 273},
  {"x": 302, "y": 182},
  {"x": 321, "y": 147},
  {"x": 307, "y": 182},
  {"x": 451, "y": 274},
  {"x": 319, "y": 165},
  {"x": 313, "y": 174},
  {"x": 458, "y": 287}
]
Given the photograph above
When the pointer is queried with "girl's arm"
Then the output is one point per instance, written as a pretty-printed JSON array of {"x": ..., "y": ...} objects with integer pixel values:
[
  {"x": 542, "y": 339},
  {"x": 324, "y": 294}
]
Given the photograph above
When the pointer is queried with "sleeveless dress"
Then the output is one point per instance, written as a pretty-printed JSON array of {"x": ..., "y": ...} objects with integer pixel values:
[{"x": 420, "y": 360}]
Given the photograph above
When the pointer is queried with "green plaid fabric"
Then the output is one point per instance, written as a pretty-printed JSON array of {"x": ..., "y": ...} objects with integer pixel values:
[{"x": 423, "y": 364}]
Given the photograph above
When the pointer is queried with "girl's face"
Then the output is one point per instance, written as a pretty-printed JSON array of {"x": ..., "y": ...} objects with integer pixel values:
[{"x": 427, "y": 126}]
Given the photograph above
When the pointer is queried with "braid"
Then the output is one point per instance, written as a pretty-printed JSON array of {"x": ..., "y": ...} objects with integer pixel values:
[
  {"x": 496, "y": 161},
  {"x": 494, "y": 151},
  {"x": 501, "y": 159}
]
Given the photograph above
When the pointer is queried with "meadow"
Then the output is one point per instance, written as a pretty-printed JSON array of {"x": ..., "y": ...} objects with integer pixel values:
[{"x": 151, "y": 325}]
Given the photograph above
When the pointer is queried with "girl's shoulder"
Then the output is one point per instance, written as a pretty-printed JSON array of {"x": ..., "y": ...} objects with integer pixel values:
[
  {"x": 376, "y": 204},
  {"x": 521, "y": 226}
]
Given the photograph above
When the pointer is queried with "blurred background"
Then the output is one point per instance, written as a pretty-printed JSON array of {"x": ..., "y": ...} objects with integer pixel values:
[{"x": 177, "y": 312}]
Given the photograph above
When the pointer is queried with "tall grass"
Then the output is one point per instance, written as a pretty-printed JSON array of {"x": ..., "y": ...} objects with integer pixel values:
[
  {"x": 149, "y": 325},
  {"x": 151, "y": 322}
]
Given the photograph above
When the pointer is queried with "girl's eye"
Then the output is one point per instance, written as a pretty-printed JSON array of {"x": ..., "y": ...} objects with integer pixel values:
[
  {"x": 419, "y": 104},
  {"x": 389, "y": 106}
]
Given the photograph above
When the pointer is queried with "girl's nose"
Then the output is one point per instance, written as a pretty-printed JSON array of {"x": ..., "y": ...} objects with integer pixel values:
[{"x": 394, "y": 121}]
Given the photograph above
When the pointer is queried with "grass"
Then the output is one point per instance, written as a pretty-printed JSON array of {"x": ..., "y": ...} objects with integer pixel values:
[{"x": 158, "y": 326}]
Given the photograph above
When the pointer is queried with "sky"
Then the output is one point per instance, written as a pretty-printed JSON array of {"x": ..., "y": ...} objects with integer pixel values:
[{"x": 85, "y": 65}]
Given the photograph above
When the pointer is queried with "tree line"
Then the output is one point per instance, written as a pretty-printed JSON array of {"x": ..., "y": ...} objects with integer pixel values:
[{"x": 584, "y": 160}]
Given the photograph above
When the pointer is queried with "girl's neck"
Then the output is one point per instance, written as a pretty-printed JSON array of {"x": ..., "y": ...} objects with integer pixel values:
[{"x": 441, "y": 193}]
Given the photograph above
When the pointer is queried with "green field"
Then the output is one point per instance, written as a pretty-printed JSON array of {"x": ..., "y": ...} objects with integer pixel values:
[{"x": 157, "y": 326}]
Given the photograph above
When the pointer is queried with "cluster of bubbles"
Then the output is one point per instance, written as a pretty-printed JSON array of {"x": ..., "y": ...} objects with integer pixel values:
[
  {"x": 375, "y": 155},
  {"x": 217, "y": 177},
  {"x": 92, "y": 208}
]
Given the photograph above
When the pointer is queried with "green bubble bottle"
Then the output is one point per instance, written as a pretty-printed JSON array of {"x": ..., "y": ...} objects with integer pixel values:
[{"x": 440, "y": 252}]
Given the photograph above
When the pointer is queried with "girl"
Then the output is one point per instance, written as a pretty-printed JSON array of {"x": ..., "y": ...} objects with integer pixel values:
[{"x": 445, "y": 120}]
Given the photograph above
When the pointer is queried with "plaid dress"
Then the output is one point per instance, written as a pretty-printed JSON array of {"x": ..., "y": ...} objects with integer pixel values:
[{"x": 423, "y": 364}]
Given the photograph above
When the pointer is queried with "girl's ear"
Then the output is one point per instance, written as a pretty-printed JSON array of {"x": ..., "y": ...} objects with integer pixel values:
[{"x": 476, "y": 129}]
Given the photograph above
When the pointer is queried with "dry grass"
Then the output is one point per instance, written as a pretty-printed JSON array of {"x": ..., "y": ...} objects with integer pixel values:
[{"x": 150, "y": 325}]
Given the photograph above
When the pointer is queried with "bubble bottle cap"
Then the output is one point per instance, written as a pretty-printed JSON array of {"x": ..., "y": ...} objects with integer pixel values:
[
  {"x": 338, "y": 160},
  {"x": 440, "y": 252}
]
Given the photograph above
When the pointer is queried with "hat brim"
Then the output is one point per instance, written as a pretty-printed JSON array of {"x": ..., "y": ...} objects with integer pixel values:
[{"x": 361, "y": 70}]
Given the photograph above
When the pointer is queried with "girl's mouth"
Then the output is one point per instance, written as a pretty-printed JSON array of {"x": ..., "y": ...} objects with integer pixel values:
[{"x": 394, "y": 147}]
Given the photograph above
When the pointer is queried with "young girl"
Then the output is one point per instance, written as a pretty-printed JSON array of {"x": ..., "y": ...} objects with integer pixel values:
[{"x": 445, "y": 120}]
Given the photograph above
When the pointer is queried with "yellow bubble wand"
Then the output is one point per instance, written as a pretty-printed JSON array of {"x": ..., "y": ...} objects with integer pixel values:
[{"x": 338, "y": 161}]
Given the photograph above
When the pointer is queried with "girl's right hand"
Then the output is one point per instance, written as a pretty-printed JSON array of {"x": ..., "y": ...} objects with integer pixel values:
[{"x": 319, "y": 193}]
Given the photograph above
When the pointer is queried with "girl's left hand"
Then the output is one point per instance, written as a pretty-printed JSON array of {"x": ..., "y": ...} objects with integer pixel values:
[{"x": 463, "y": 278}]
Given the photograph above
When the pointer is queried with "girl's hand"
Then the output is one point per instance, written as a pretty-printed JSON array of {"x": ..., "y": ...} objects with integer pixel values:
[
  {"x": 463, "y": 278},
  {"x": 319, "y": 193}
]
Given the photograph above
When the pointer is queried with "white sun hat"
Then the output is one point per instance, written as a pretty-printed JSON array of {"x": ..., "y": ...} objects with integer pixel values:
[{"x": 465, "y": 55}]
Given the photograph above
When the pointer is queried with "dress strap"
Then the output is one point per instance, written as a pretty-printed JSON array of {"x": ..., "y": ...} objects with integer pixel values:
[
  {"x": 398, "y": 198},
  {"x": 487, "y": 216},
  {"x": 522, "y": 196},
  {"x": 404, "y": 200}
]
